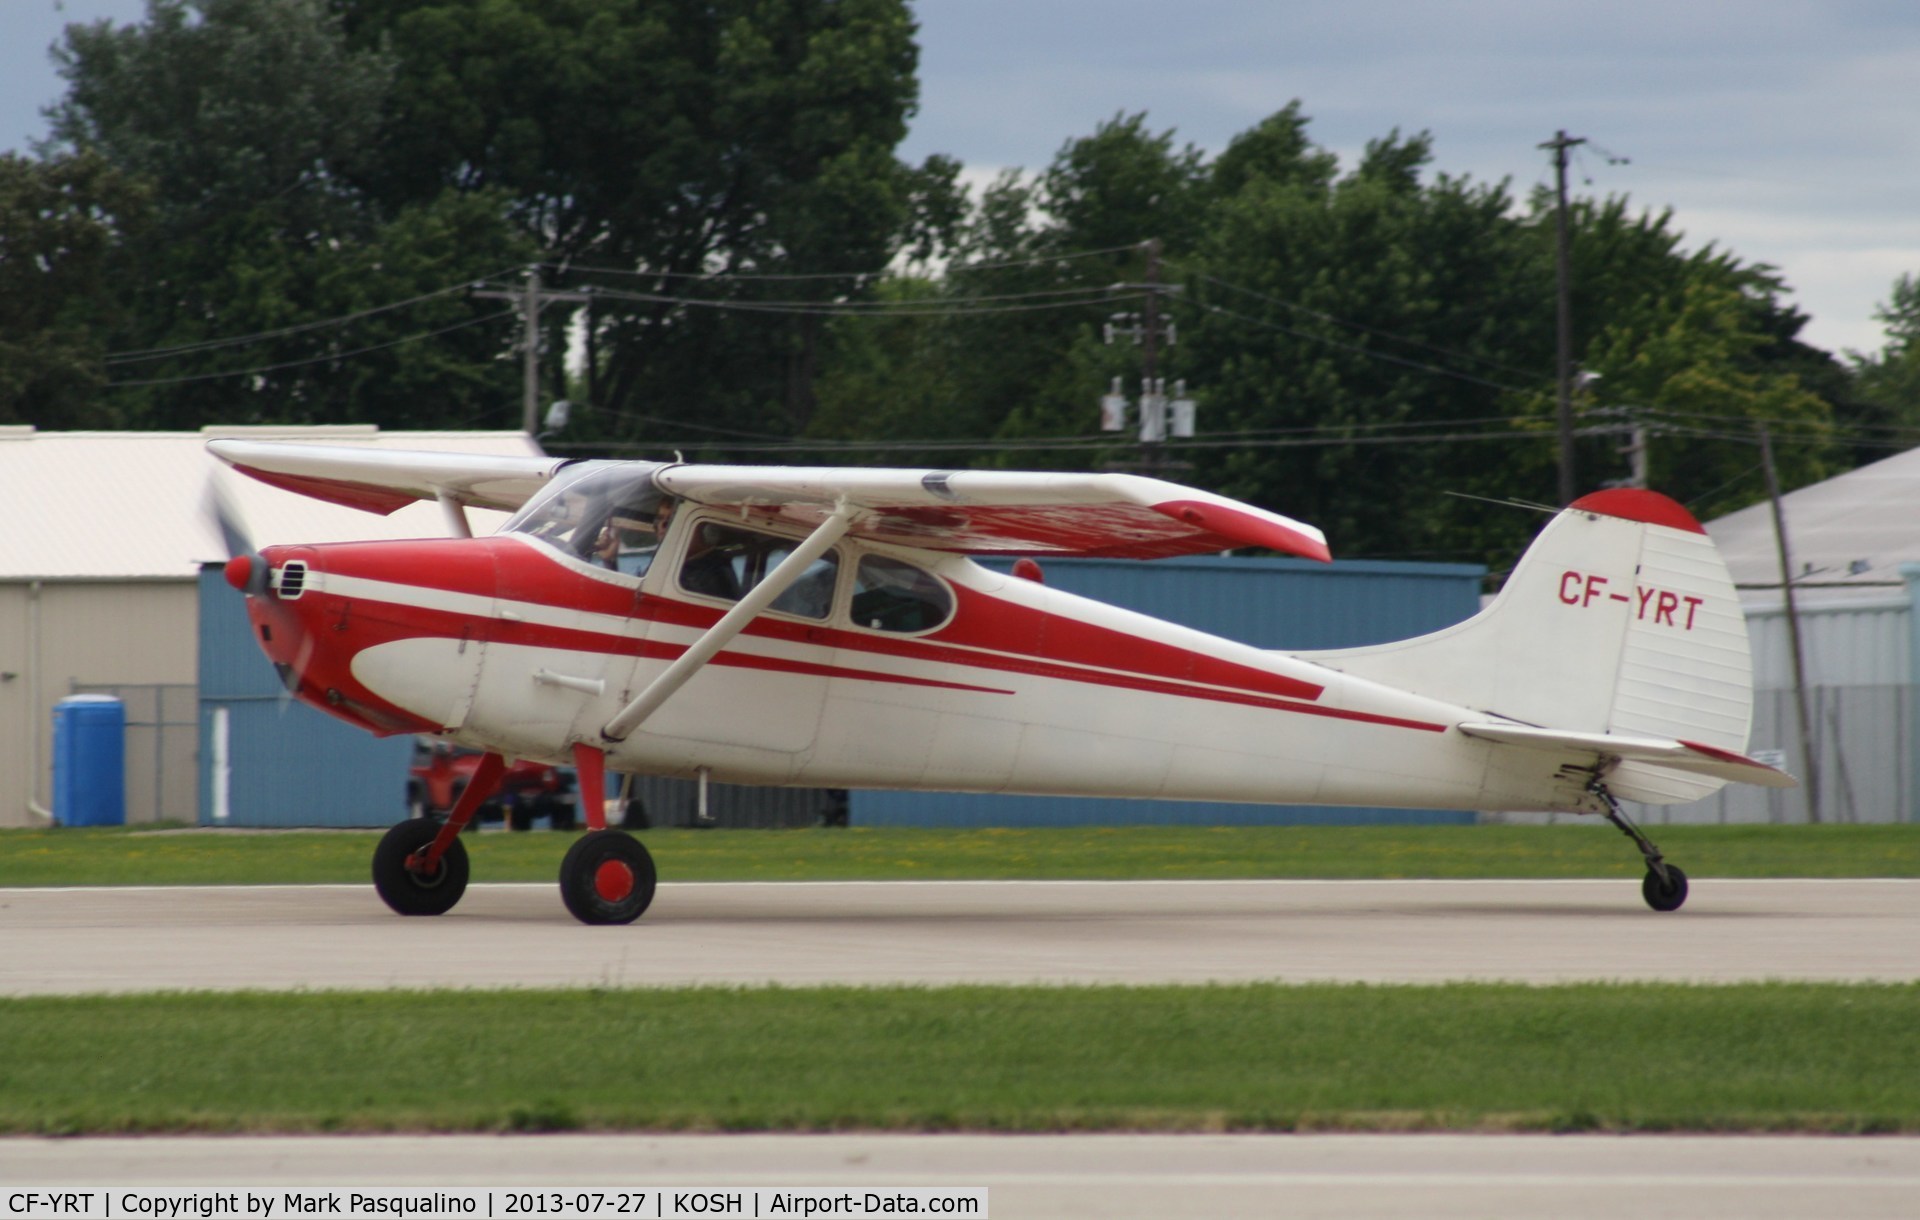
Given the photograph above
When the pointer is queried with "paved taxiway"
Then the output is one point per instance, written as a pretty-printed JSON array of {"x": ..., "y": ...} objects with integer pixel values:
[
  {"x": 133, "y": 939},
  {"x": 1354, "y": 1177},
  {"x": 91, "y": 940}
]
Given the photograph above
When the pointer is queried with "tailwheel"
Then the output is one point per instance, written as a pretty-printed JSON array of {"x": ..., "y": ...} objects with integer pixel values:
[
  {"x": 1665, "y": 894},
  {"x": 607, "y": 878},
  {"x": 1665, "y": 886},
  {"x": 418, "y": 891}
]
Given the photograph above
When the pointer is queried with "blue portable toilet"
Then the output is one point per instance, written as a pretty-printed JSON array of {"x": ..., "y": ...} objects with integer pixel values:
[{"x": 89, "y": 761}]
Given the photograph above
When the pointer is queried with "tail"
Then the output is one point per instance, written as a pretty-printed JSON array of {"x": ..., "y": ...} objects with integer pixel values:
[{"x": 1617, "y": 643}]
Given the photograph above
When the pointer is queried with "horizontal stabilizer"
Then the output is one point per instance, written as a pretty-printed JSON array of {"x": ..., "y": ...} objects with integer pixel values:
[{"x": 1671, "y": 752}]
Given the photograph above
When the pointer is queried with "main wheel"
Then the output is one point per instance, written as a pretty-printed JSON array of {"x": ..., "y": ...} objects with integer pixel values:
[
  {"x": 1667, "y": 896},
  {"x": 412, "y": 893},
  {"x": 607, "y": 877}
]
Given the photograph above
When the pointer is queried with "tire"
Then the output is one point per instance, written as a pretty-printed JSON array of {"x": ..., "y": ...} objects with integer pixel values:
[
  {"x": 411, "y": 893},
  {"x": 607, "y": 878},
  {"x": 1669, "y": 896}
]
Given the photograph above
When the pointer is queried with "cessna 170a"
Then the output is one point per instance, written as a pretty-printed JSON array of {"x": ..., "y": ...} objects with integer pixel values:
[{"x": 827, "y": 628}]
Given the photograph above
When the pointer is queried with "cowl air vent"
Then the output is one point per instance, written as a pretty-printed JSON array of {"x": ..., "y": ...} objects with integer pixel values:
[{"x": 293, "y": 581}]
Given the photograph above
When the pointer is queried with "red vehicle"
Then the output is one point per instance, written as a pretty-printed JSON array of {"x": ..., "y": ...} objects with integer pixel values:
[{"x": 528, "y": 791}]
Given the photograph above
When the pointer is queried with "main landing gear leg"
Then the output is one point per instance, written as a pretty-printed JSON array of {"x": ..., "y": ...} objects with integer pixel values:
[
  {"x": 608, "y": 876},
  {"x": 1665, "y": 886},
  {"x": 420, "y": 866}
]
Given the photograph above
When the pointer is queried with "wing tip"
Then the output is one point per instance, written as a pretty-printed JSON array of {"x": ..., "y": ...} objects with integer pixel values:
[{"x": 1241, "y": 525}]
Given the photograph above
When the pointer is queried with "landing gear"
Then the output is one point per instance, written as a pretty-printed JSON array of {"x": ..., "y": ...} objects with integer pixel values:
[
  {"x": 607, "y": 878},
  {"x": 1665, "y": 895},
  {"x": 1665, "y": 886},
  {"x": 409, "y": 890}
]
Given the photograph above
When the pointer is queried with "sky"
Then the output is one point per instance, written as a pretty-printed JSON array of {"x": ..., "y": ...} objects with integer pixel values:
[{"x": 1783, "y": 131}]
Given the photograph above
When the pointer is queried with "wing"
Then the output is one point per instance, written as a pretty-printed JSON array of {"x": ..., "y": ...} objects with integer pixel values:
[
  {"x": 1670, "y": 752},
  {"x": 977, "y": 512},
  {"x": 383, "y": 480},
  {"x": 996, "y": 512}
]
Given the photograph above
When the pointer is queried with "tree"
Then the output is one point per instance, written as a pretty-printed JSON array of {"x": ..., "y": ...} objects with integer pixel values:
[
  {"x": 60, "y": 223},
  {"x": 1340, "y": 323},
  {"x": 247, "y": 122},
  {"x": 1359, "y": 341},
  {"x": 673, "y": 155},
  {"x": 1890, "y": 378},
  {"x": 1681, "y": 340}
]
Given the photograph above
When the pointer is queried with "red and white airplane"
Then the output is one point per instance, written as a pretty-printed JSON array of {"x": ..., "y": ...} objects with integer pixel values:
[{"x": 827, "y": 628}]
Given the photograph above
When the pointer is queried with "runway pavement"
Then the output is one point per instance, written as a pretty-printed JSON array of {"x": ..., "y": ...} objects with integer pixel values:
[
  {"x": 281, "y": 937},
  {"x": 95, "y": 940},
  {"x": 1117, "y": 1177}
]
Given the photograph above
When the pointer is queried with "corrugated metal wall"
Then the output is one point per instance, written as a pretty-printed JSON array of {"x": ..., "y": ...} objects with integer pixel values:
[
  {"x": 127, "y": 637},
  {"x": 268, "y": 761},
  {"x": 1289, "y": 604},
  {"x": 1861, "y": 711}
]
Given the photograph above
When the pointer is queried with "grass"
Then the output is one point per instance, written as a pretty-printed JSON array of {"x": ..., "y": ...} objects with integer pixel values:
[
  {"x": 1268, "y": 1057},
  {"x": 1600, "y": 1057},
  {"x": 137, "y": 856}
]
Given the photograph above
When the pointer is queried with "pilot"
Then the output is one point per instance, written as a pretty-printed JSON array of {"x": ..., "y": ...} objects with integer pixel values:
[{"x": 628, "y": 545}]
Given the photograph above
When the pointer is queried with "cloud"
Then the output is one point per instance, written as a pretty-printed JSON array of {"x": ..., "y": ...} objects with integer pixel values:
[{"x": 1775, "y": 129}]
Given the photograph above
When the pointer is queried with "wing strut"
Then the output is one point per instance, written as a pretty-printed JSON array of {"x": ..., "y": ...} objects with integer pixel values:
[{"x": 731, "y": 624}]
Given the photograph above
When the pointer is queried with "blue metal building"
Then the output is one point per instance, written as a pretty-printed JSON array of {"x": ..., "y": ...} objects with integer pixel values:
[{"x": 268, "y": 761}]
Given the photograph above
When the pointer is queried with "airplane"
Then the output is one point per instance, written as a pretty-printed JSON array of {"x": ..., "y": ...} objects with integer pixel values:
[{"x": 829, "y": 627}]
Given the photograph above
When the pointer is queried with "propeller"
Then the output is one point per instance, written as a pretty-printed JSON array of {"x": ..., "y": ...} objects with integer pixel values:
[{"x": 246, "y": 570}]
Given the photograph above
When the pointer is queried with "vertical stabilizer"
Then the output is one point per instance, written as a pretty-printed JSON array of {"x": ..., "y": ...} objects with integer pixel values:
[{"x": 1620, "y": 618}]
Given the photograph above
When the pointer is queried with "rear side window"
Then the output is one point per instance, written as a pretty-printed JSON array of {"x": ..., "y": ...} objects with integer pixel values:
[
  {"x": 726, "y": 562},
  {"x": 889, "y": 595}
]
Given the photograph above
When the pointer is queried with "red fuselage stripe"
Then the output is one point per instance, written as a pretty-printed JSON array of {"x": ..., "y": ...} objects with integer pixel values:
[{"x": 1004, "y": 638}]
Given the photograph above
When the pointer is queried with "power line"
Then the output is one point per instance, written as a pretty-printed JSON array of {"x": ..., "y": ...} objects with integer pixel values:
[
  {"x": 883, "y": 309},
  {"x": 331, "y": 356},
  {"x": 156, "y": 353},
  {"x": 1422, "y": 366},
  {"x": 1371, "y": 330},
  {"x": 883, "y": 273}
]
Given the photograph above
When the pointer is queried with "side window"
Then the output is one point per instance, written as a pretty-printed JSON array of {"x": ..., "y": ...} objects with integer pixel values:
[
  {"x": 725, "y": 562},
  {"x": 892, "y": 596}
]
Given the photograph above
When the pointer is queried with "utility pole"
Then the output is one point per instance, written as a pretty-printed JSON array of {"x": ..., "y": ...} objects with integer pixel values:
[
  {"x": 531, "y": 297},
  {"x": 1159, "y": 415},
  {"x": 1151, "y": 393},
  {"x": 1808, "y": 762},
  {"x": 1560, "y": 143}
]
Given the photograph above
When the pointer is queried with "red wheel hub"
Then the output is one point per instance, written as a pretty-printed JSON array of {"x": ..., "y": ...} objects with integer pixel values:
[{"x": 614, "y": 881}]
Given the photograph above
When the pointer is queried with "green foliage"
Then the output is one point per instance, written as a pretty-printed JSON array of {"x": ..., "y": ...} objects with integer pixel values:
[
  {"x": 1358, "y": 342},
  {"x": 1890, "y": 378},
  {"x": 142, "y": 857},
  {"x": 1247, "y": 1057},
  {"x": 644, "y": 146},
  {"x": 268, "y": 210},
  {"x": 248, "y": 123},
  {"x": 61, "y": 223}
]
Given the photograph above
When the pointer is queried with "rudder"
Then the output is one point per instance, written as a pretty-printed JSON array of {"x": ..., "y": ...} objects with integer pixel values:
[{"x": 1620, "y": 618}]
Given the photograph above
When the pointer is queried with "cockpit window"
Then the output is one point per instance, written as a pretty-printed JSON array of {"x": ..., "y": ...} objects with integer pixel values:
[
  {"x": 609, "y": 514},
  {"x": 726, "y": 562},
  {"x": 889, "y": 595}
]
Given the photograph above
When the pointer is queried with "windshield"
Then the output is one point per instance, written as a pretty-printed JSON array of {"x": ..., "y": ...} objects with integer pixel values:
[{"x": 602, "y": 512}]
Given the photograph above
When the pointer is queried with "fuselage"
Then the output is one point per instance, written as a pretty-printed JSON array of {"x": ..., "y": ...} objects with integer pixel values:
[{"x": 897, "y": 668}]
